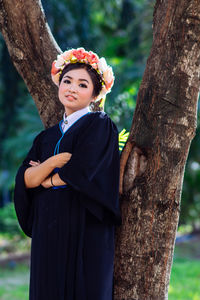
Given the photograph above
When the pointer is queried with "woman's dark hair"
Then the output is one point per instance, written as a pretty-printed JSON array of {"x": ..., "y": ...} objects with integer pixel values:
[{"x": 95, "y": 77}]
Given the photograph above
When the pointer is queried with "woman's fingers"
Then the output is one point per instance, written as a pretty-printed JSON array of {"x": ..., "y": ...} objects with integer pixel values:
[{"x": 34, "y": 163}]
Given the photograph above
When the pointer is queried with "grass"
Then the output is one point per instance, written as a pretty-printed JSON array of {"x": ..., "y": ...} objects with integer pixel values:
[
  {"x": 185, "y": 275},
  {"x": 184, "y": 281},
  {"x": 14, "y": 282}
]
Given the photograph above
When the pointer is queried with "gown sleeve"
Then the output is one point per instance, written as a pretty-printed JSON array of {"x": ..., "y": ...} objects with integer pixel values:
[
  {"x": 93, "y": 168},
  {"x": 22, "y": 196}
]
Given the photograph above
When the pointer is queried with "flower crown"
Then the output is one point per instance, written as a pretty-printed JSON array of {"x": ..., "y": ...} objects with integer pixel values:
[{"x": 91, "y": 58}]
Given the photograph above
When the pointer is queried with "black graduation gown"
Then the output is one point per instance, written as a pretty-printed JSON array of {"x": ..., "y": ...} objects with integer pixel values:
[{"x": 72, "y": 226}]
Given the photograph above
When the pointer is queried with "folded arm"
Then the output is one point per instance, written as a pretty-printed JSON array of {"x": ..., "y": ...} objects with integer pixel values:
[
  {"x": 38, "y": 173},
  {"x": 54, "y": 181}
]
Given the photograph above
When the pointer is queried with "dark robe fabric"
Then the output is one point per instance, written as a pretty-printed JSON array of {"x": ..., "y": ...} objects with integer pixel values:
[{"x": 72, "y": 226}]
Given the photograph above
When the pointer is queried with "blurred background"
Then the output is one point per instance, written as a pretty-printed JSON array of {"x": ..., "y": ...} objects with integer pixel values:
[{"x": 121, "y": 31}]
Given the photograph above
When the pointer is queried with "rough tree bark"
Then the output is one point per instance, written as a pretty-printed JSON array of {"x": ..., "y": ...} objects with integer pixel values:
[
  {"x": 152, "y": 163},
  {"x": 153, "y": 160}
]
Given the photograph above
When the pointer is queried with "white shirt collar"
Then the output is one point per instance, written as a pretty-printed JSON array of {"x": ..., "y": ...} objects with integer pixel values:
[{"x": 74, "y": 117}]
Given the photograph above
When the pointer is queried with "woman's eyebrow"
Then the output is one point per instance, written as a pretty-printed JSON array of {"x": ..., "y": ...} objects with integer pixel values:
[
  {"x": 80, "y": 79},
  {"x": 83, "y": 80}
]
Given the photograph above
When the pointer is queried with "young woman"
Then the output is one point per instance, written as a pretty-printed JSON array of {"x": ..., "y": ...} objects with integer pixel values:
[{"x": 66, "y": 192}]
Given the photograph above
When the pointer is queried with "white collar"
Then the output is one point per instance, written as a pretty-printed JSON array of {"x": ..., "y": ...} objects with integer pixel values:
[{"x": 74, "y": 117}]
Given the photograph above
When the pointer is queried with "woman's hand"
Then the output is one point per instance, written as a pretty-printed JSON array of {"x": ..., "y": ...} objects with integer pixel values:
[
  {"x": 34, "y": 163},
  {"x": 59, "y": 160}
]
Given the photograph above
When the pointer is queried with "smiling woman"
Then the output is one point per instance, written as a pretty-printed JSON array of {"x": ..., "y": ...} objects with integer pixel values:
[
  {"x": 66, "y": 192},
  {"x": 76, "y": 90}
]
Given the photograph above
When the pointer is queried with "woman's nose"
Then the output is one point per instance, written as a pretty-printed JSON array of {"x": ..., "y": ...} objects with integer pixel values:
[{"x": 72, "y": 88}]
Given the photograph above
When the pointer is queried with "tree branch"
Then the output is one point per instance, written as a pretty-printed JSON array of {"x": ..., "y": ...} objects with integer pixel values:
[{"x": 32, "y": 49}]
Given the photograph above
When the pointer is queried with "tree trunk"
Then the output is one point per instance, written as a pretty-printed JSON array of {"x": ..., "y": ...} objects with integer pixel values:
[
  {"x": 152, "y": 163},
  {"x": 153, "y": 160}
]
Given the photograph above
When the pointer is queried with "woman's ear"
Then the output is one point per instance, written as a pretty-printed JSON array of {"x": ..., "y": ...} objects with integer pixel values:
[
  {"x": 92, "y": 103},
  {"x": 93, "y": 99}
]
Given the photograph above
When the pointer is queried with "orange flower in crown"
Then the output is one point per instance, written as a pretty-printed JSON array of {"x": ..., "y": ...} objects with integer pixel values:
[{"x": 87, "y": 57}]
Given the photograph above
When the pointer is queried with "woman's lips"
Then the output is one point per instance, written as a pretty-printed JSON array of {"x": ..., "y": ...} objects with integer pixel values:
[{"x": 70, "y": 97}]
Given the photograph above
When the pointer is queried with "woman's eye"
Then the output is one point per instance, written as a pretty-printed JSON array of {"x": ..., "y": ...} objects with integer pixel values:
[
  {"x": 83, "y": 85},
  {"x": 66, "y": 81}
]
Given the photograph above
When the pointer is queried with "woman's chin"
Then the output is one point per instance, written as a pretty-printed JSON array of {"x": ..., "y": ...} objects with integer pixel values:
[{"x": 69, "y": 103}]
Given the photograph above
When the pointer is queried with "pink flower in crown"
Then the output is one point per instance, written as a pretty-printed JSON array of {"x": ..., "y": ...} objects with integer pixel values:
[
  {"x": 92, "y": 57},
  {"x": 54, "y": 70},
  {"x": 108, "y": 78},
  {"x": 56, "y": 79},
  {"x": 79, "y": 53},
  {"x": 109, "y": 85}
]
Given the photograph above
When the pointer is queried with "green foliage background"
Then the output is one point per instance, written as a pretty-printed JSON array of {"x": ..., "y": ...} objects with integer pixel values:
[{"x": 121, "y": 31}]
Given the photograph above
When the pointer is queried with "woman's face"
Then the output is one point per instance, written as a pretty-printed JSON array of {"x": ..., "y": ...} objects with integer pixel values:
[{"x": 75, "y": 90}]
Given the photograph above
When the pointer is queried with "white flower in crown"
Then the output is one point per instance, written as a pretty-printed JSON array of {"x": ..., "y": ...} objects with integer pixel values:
[
  {"x": 87, "y": 57},
  {"x": 59, "y": 62},
  {"x": 67, "y": 55},
  {"x": 102, "y": 65},
  {"x": 103, "y": 92}
]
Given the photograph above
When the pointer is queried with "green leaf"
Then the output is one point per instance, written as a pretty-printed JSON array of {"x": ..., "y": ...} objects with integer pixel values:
[{"x": 123, "y": 136}]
